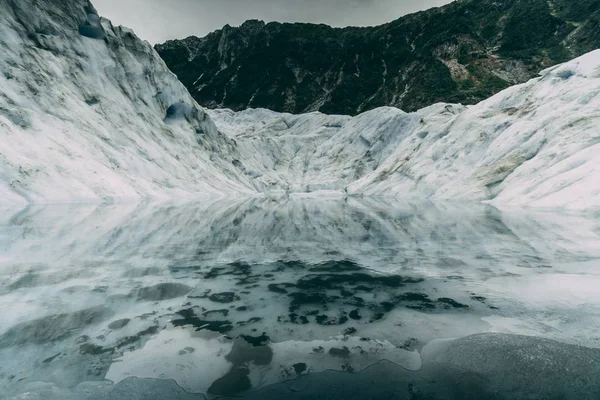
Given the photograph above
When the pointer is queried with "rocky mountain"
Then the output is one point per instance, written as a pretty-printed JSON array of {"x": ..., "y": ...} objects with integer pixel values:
[{"x": 460, "y": 53}]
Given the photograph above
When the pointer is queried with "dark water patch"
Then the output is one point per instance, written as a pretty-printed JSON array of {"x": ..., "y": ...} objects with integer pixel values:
[
  {"x": 356, "y": 280},
  {"x": 350, "y": 331},
  {"x": 299, "y": 368},
  {"x": 294, "y": 319},
  {"x": 303, "y": 298},
  {"x": 135, "y": 339},
  {"x": 243, "y": 352},
  {"x": 348, "y": 368},
  {"x": 200, "y": 294},
  {"x": 249, "y": 280},
  {"x": 415, "y": 301},
  {"x": 222, "y": 313},
  {"x": 119, "y": 324},
  {"x": 252, "y": 320},
  {"x": 409, "y": 344},
  {"x": 54, "y": 327},
  {"x": 189, "y": 318},
  {"x": 280, "y": 287},
  {"x": 234, "y": 382},
  {"x": 252, "y": 287},
  {"x": 214, "y": 273},
  {"x": 142, "y": 272},
  {"x": 326, "y": 320},
  {"x": 336, "y": 266},
  {"x": 93, "y": 349},
  {"x": 233, "y": 269},
  {"x": 480, "y": 299},
  {"x": 422, "y": 302},
  {"x": 342, "y": 352},
  {"x": 377, "y": 317},
  {"x": 163, "y": 291},
  {"x": 280, "y": 266},
  {"x": 321, "y": 291},
  {"x": 257, "y": 340},
  {"x": 224, "y": 297},
  {"x": 187, "y": 350},
  {"x": 452, "y": 303}
]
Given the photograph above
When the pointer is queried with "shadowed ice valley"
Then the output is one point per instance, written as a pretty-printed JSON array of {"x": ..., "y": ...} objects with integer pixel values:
[{"x": 289, "y": 297}]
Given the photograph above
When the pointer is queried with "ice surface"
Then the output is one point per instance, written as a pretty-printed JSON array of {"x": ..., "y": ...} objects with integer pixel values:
[
  {"x": 82, "y": 119},
  {"x": 275, "y": 288}
]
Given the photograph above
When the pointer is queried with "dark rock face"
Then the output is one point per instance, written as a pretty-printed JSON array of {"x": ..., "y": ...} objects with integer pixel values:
[{"x": 463, "y": 52}]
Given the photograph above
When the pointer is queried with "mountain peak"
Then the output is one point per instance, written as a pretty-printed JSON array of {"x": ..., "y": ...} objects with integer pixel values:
[{"x": 462, "y": 52}]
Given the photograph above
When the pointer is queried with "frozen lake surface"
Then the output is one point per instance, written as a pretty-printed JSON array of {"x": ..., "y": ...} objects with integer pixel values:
[{"x": 286, "y": 298}]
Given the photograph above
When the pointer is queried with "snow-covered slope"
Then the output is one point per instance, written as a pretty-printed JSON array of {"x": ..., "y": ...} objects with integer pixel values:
[
  {"x": 82, "y": 105},
  {"x": 318, "y": 152},
  {"x": 90, "y": 112},
  {"x": 535, "y": 144}
]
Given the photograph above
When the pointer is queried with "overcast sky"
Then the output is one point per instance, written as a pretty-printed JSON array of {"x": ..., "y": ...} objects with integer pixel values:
[{"x": 159, "y": 20}]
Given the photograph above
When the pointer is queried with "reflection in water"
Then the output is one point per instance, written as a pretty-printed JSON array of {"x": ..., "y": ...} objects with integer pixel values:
[{"x": 227, "y": 297}]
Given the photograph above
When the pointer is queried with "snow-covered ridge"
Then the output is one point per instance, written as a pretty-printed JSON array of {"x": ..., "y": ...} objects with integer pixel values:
[
  {"x": 535, "y": 144},
  {"x": 89, "y": 112},
  {"x": 82, "y": 105}
]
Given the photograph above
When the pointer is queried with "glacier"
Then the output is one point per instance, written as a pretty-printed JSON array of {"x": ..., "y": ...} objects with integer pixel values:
[
  {"x": 90, "y": 113},
  {"x": 85, "y": 119},
  {"x": 533, "y": 145},
  {"x": 262, "y": 251}
]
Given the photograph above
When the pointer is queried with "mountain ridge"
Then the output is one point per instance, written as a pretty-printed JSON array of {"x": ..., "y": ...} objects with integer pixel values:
[{"x": 463, "y": 52}]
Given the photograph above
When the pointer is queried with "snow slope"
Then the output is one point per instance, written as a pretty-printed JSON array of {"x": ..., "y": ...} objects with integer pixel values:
[
  {"x": 88, "y": 112},
  {"x": 535, "y": 144},
  {"x": 82, "y": 105}
]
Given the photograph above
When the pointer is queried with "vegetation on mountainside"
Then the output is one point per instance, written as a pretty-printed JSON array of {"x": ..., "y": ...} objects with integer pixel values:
[{"x": 463, "y": 52}]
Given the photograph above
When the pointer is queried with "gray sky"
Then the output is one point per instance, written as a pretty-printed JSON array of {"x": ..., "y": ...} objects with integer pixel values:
[{"x": 159, "y": 20}]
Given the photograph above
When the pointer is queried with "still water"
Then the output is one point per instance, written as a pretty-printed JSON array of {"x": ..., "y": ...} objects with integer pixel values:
[{"x": 298, "y": 298}]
